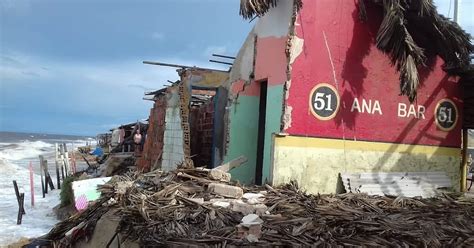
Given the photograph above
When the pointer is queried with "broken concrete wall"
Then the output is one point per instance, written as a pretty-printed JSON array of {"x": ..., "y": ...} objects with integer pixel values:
[
  {"x": 153, "y": 148},
  {"x": 173, "y": 152},
  {"x": 262, "y": 58}
]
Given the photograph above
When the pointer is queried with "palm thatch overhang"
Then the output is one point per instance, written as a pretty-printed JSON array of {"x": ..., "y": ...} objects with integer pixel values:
[
  {"x": 257, "y": 8},
  {"x": 410, "y": 33}
]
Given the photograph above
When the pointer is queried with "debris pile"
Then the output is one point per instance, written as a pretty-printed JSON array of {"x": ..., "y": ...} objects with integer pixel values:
[{"x": 187, "y": 207}]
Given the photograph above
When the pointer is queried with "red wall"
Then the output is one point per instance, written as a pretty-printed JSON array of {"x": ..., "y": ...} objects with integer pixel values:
[
  {"x": 202, "y": 127},
  {"x": 362, "y": 72},
  {"x": 153, "y": 148}
]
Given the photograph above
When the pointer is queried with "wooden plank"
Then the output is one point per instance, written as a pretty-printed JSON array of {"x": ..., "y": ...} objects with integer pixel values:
[
  {"x": 49, "y": 181},
  {"x": 41, "y": 173},
  {"x": 232, "y": 164},
  {"x": 66, "y": 160},
  {"x": 57, "y": 174},
  {"x": 20, "y": 198},
  {"x": 21, "y": 209}
]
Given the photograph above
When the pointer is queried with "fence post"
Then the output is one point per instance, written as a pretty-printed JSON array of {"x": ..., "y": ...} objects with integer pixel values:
[
  {"x": 32, "y": 186},
  {"x": 41, "y": 173},
  {"x": 48, "y": 179},
  {"x": 66, "y": 160},
  {"x": 20, "y": 198},
  {"x": 73, "y": 158}
]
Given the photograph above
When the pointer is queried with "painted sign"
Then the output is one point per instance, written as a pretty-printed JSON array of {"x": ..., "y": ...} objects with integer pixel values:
[
  {"x": 446, "y": 114},
  {"x": 342, "y": 86},
  {"x": 324, "y": 101}
]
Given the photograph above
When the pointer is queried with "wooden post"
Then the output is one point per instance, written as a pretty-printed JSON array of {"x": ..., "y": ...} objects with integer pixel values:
[
  {"x": 464, "y": 160},
  {"x": 20, "y": 198},
  {"x": 21, "y": 207},
  {"x": 66, "y": 160},
  {"x": 61, "y": 160},
  {"x": 56, "y": 162},
  {"x": 48, "y": 179},
  {"x": 41, "y": 173},
  {"x": 57, "y": 175},
  {"x": 32, "y": 186},
  {"x": 62, "y": 172},
  {"x": 73, "y": 157}
]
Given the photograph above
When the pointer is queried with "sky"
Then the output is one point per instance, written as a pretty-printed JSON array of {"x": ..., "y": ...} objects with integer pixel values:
[{"x": 75, "y": 66}]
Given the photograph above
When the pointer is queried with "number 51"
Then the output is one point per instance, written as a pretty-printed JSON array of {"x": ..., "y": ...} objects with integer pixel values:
[{"x": 320, "y": 103}]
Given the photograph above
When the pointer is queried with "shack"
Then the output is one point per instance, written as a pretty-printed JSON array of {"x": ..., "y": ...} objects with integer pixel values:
[
  {"x": 324, "y": 88},
  {"x": 122, "y": 136}
]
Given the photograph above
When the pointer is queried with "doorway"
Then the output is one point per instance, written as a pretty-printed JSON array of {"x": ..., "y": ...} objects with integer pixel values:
[{"x": 262, "y": 111}]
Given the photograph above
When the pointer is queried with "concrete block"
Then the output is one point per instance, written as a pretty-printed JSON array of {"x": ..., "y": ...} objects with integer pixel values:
[
  {"x": 242, "y": 207},
  {"x": 251, "y": 219},
  {"x": 251, "y": 233},
  {"x": 253, "y": 198},
  {"x": 226, "y": 190},
  {"x": 221, "y": 204},
  {"x": 220, "y": 175},
  {"x": 165, "y": 163},
  {"x": 260, "y": 209}
]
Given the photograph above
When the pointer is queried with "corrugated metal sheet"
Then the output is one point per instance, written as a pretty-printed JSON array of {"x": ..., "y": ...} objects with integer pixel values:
[{"x": 409, "y": 184}]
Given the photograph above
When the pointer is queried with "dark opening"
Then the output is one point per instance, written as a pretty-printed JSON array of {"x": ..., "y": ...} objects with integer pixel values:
[{"x": 262, "y": 111}]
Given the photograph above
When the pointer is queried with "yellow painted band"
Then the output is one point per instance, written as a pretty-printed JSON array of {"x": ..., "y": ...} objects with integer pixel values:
[{"x": 309, "y": 142}]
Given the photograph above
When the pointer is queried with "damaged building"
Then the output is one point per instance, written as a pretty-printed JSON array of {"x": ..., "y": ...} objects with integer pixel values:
[
  {"x": 186, "y": 121},
  {"x": 341, "y": 108},
  {"x": 317, "y": 97}
]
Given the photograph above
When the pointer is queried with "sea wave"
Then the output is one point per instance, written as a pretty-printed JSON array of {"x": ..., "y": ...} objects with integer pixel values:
[
  {"x": 38, "y": 219},
  {"x": 24, "y": 149}
]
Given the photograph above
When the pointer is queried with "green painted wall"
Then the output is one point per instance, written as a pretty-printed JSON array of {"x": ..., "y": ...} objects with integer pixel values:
[
  {"x": 272, "y": 125},
  {"x": 243, "y": 116},
  {"x": 244, "y": 133}
]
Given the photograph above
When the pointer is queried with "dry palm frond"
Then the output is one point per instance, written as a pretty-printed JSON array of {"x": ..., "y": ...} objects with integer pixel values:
[
  {"x": 160, "y": 211},
  {"x": 252, "y": 8},
  {"x": 411, "y": 28}
]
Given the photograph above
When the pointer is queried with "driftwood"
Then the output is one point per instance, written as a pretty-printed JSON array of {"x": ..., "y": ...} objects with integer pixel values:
[
  {"x": 20, "y": 198},
  {"x": 176, "y": 208}
]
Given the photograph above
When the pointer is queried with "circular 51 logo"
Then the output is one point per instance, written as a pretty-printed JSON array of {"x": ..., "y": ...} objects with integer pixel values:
[
  {"x": 324, "y": 101},
  {"x": 446, "y": 115}
]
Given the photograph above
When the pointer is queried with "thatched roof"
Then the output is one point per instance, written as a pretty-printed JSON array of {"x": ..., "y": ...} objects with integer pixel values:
[
  {"x": 256, "y": 8},
  {"x": 411, "y": 32}
]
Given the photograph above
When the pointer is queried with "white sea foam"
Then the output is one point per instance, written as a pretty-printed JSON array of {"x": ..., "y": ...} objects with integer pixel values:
[
  {"x": 25, "y": 149},
  {"x": 38, "y": 220},
  {"x": 14, "y": 160}
]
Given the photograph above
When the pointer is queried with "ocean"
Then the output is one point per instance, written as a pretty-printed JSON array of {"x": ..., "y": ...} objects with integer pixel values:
[{"x": 17, "y": 150}]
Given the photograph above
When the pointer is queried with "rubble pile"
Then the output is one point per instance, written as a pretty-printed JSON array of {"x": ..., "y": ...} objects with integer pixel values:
[{"x": 189, "y": 207}]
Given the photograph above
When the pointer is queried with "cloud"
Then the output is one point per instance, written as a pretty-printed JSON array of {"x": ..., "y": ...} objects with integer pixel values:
[
  {"x": 158, "y": 36},
  {"x": 19, "y": 67},
  {"x": 105, "y": 91}
]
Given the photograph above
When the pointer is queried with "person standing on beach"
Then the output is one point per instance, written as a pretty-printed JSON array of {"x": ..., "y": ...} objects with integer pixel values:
[{"x": 137, "y": 139}]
